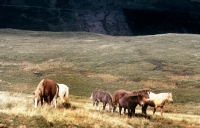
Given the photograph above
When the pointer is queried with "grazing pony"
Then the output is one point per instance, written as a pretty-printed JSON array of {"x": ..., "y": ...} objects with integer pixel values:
[
  {"x": 46, "y": 90},
  {"x": 64, "y": 94},
  {"x": 157, "y": 100},
  {"x": 118, "y": 93},
  {"x": 105, "y": 97},
  {"x": 129, "y": 100}
]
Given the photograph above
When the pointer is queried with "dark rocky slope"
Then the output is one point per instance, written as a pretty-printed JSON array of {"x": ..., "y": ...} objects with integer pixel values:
[{"x": 112, "y": 17}]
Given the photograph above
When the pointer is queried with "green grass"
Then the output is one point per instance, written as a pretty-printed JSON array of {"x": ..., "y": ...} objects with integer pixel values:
[{"x": 85, "y": 62}]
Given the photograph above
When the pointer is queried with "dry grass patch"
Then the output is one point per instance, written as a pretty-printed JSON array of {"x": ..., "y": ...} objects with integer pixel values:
[
  {"x": 105, "y": 77},
  {"x": 45, "y": 65},
  {"x": 154, "y": 84},
  {"x": 81, "y": 114},
  {"x": 184, "y": 77},
  {"x": 86, "y": 61}
]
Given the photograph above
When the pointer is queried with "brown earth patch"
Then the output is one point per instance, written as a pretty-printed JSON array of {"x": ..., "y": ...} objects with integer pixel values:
[
  {"x": 26, "y": 66},
  {"x": 20, "y": 87},
  {"x": 181, "y": 77},
  {"x": 49, "y": 64},
  {"x": 105, "y": 77},
  {"x": 154, "y": 84}
]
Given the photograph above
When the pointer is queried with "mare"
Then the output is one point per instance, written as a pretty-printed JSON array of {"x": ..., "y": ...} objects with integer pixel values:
[
  {"x": 105, "y": 97},
  {"x": 46, "y": 90},
  {"x": 157, "y": 100},
  {"x": 64, "y": 94},
  {"x": 129, "y": 100},
  {"x": 117, "y": 95}
]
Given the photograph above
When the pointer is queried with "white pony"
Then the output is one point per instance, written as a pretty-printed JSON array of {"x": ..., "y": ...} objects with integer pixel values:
[
  {"x": 63, "y": 93},
  {"x": 157, "y": 100}
]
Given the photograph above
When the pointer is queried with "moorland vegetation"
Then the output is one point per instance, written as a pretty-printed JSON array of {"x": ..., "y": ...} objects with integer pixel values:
[{"x": 85, "y": 62}]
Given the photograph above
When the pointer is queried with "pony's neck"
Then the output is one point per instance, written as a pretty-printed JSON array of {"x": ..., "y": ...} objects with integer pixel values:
[
  {"x": 165, "y": 96},
  {"x": 110, "y": 102}
]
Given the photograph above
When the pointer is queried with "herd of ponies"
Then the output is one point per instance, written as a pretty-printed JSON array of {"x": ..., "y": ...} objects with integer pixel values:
[{"x": 48, "y": 91}]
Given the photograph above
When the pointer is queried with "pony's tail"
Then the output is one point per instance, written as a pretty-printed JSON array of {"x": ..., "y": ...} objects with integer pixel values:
[
  {"x": 66, "y": 97},
  {"x": 114, "y": 99},
  {"x": 91, "y": 97}
]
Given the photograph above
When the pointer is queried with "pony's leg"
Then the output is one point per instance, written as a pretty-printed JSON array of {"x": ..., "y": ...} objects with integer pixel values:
[
  {"x": 48, "y": 100},
  {"x": 93, "y": 102},
  {"x": 144, "y": 109},
  {"x": 129, "y": 112},
  {"x": 104, "y": 105},
  {"x": 42, "y": 101},
  {"x": 161, "y": 110},
  {"x": 55, "y": 102},
  {"x": 97, "y": 105},
  {"x": 120, "y": 109},
  {"x": 124, "y": 111},
  {"x": 133, "y": 110},
  {"x": 154, "y": 110}
]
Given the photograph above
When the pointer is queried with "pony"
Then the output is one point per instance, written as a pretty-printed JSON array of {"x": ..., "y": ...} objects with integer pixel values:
[
  {"x": 64, "y": 94},
  {"x": 105, "y": 97},
  {"x": 157, "y": 100},
  {"x": 129, "y": 100},
  {"x": 46, "y": 90},
  {"x": 117, "y": 95}
]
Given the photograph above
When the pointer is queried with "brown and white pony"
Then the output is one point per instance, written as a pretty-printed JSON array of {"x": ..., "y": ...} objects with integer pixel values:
[
  {"x": 129, "y": 100},
  {"x": 157, "y": 100},
  {"x": 64, "y": 94},
  {"x": 105, "y": 97},
  {"x": 46, "y": 90}
]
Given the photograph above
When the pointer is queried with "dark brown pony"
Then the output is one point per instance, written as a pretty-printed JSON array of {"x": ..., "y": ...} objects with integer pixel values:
[
  {"x": 130, "y": 101},
  {"x": 118, "y": 93},
  {"x": 105, "y": 97},
  {"x": 47, "y": 90}
]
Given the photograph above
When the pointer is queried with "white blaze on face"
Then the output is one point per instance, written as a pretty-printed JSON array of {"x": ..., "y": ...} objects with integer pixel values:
[{"x": 35, "y": 105}]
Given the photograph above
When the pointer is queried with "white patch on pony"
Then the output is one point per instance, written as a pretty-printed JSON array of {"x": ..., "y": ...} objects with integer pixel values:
[
  {"x": 64, "y": 93},
  {"x": 97, "y": 108},
  {"x": 112, "y": 110},
  {"x": 35, "y": 105}
]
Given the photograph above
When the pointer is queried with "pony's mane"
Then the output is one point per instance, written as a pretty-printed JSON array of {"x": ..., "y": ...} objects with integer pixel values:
[
  {"x": 40, "y": 85},
  {"x": 141, "y": 90}
]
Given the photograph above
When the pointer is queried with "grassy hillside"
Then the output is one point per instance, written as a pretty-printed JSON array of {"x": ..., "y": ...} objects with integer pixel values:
[{"x": 85, "y": 61}]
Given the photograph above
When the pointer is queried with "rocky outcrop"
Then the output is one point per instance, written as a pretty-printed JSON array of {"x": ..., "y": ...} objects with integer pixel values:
[{"x": 111, "y": 17}]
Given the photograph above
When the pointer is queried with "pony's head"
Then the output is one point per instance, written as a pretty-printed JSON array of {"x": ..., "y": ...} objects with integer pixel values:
[
  {"x": 145, "y": 94},
  {"x": 138, "y": 98},
  {"x": 37, "y": 97},
  {"x": 142, "y": 99},
  {"x": 112, "y": 108},
  {"x": 170, "y": 97}
]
